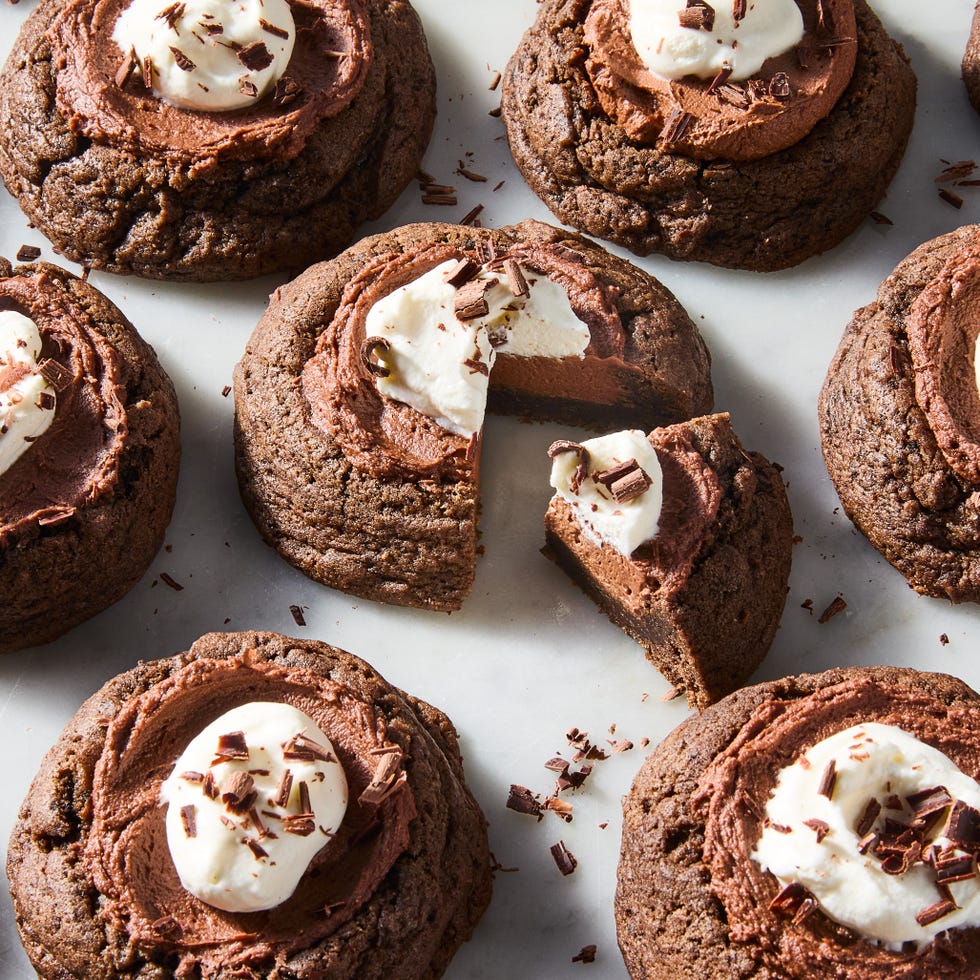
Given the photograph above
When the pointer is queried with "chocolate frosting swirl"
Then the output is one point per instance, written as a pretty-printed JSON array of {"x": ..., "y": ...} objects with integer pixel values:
[
  {"x": 942, "y": 330},
  {"x": 733, "y": 793},
  {"x": 716, "y": 118},
  {"x": 126, "y": 852},
  {"x": 327, "y": 69},
  {"x": 386, "y": 437},
  {"x": 76, "y": 462}
]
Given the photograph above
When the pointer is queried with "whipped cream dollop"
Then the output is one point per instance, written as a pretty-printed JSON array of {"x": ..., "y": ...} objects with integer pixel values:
[
  {"x": 614, "y": 484},
  {"x": 723, "y": 40},
  {"x": 208, "y": 55},
  {"x": 27, "y": 399},
  {"x": 250, "y": 802},
  {"x": 827, "y": 829},
  {"x": 435, "y": 339}
]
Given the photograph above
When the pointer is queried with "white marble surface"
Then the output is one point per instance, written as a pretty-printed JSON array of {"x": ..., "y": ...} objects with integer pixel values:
[{"x": 528, "y": 657}]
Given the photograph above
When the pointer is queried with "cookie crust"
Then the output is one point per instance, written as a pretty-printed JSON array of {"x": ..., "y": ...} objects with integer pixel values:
[
  {"x": 892, "y": 477},
  {"x": 103, "y": 207},
  {"x": 762, "y": 215},
  {"x": 445, "y": 870}
]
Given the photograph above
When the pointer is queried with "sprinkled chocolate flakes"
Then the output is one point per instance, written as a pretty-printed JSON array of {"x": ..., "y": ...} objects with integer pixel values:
[
  {"x": 820, "y": 827},
  {"x": 297, "y": 613},
  {"x": 564, "y": 858},
  {"x": 794, "y": 901},
  {"x": 300, "y": 747},
  {"x": 170, "y": 581},
  {"x": 283, "y": 789},
  {"x": 286, "y": 91},
  {"x": 515, "y": 278},
  {"x": 182, "y": 61},
  {"x": 581, "y": 471},
  {"x": 171, "y": 15},
  {"x": 388, "y": 777},
  {"x": 167, "y": 926},
  {"x": 779, "y": 86}
]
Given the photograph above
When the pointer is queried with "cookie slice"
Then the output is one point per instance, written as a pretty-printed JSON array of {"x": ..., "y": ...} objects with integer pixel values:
[
  {"x": 89, "y": 448},
  {"x": 693, "y": 898},
  {"x": 394, "y": 886},
  {"x": 900, "y": 418},
  {"x": 971, "y": 61},
  {"x": 358, "y": 476},
  {"x": 684, "y": 541}
]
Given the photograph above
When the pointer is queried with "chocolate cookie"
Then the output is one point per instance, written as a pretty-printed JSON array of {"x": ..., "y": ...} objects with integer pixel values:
[
  {"x": 87, "y": 496},
  {"x": 971, "y": 61},
  {"x": 370, "y": 496},
  {"x": 692, "y": 902},
  {"x": 621, "y": 154},
  {"x": 118, "y": 179},
  {"x": 703, "y": 596},
  {"x": 395, "y": 889},
  {"x": 900, "y": 413}
]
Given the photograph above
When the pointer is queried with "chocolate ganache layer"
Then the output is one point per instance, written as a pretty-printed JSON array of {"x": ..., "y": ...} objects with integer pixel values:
[
  {"x": 328, "y": 68},
  {"x": 720, "y": 118}
]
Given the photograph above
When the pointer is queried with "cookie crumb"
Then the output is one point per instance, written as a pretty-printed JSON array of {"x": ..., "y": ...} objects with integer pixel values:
[{"x": 28, "y": 253}]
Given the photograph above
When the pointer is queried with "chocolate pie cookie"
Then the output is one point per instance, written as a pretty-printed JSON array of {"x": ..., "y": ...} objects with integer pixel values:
[
  {"x": 359, "y": 462},
  {"x": 89, "y": 451},
  {"x": 205, "y": 140},
  {"x": 771, "y": 145},
  {"x": 900, "y": 418},
  {"x": 223, "y": 771},
  {"x": 971, "y": 61},
  {"x": 815, "y": 826},
  {"x": 684, "y": 541}
]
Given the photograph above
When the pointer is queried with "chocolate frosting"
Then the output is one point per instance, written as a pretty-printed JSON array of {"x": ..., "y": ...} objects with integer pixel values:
[
  {"x": 126, "y": 853},
  {"x": 385, "y": 437},
  {"x": 327, "y": 69},
  {"x": 732, "y": 795},
  {"x": 715, "y": 118},
  {"x": 942, "y": 329},
  {"x": 75, "y": 463}
]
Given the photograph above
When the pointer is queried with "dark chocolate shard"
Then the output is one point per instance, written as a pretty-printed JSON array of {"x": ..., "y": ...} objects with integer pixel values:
[
  {"x": 963, "y": 827},
  {"x": 779, "y": 86},
  {"x": 304, "y": 748},
  {"x": 188, "y": 818},
  {"x": 238, "y": 793},
  {"x": 255, "y": 56},
  {"x": 462, "y": 272},
  {"x": 522, "y": 800},
  {"x": 828, "y": 780},
  {"x": 564, "y": 859},
  {"x": 515, "y": 278},
  {"x": 471, "y": 299},
  {"x": 935, "y": 912},
  {"x": 820, "y": 827},
  {"x": 388, "y": 777},
  {"x": 231, "y": 745},
  {"x": 273, "y": 29},
  {"x": 676, "y": 126},
  {"x": 625, "y": 481},
  {"x": 181, "y": 59},
  {"x": 868, "y": 817}
]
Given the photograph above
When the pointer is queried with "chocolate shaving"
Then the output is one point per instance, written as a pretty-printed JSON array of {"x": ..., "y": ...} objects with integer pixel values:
[
  {"x": 868, "y": 817},
  {"x": 471, "y": 174},
  {"x": 238, "y": 793},
  {"x": 471, "y": 299},
  {"x": 272, "y": 29},
  {"x": 169, "y": 580},
  {"x": 779, "y": 86},
  {"x": 791, "y": 900},
  {"x": 564, "y": 858},
  {"x": 226, "y": 391},
  {"x": 928, "y": 802},
  {"x": 462, "y": 272},
  {"x": 231, "y": 746},
  {"x": 256, "y": 848},
  {"x": 384, "y": 782},
  {"x": 932, "y": 913},
  {"x": 300, "y": 824},
  {"x": 213, "y": 29},
  {"x": 677, "y": 125},
  {"x": 297, "y": 613},
  {"x": 560, "y": 446},
  {"x": 168, "y": 926},
  {"x": 172, "y": 15},
  {"x": 957, "y": 202},
  {"x": 698, "y": 16},
  {"x": 444, "y": 199},
  {"x": 837, "y": 606},
  {"x": 283, "y": 789},
  {"x": 188, "y": 817},
  {"x": 515, "y": 278},
  {"x": 586, "y": 954},
  {"x": 369, "y": 349},
  {"x": 880, "y": 219},
  {"x": 625, "y": 481},
  {"x": 956, "y": 869},
  {"x": 738, "y": 10},
  {"x": 476, "y": 366},
  {"x": 190, "y": 776},
  {"x": 286, "y": 91},
  {"x": 247, "y": 88},
  {"x": 944, "y": 639},
  {"x": 471, "y": 215},
  {"x": 255, "y": 56},
  {"x": 522, "y": 800},
  {"x": 46, "y": 401},
  {"x": 868, "y": 843},
  {"x": 209, "y": 787},
  {"x": 828, "y": 780},
  {"x": 723, "y": 75},
  {"x": 963, "y": 827},
  {"x": 305, "y": 806},
  {"x": 182, "y": 61},
  {"x": 820, "y": 827},
  {"x": 561, "y": 808},
  {"x": 147, "y": 72},
  {"x": 301, "y": 747}
]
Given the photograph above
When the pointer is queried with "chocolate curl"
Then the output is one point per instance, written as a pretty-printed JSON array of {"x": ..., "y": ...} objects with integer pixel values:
[
  {"x": 581, "y": 471},
  {"x": 369, "y": 350}
]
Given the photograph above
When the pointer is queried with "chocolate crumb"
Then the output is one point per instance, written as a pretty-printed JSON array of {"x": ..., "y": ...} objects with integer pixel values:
[
  {"x": 297, "y": 614},
  {"x": 168, "y": 580},
  {"x": 586, "y": 954},
  {"x": 495, "y": 112},
  {"x": 564, "y": 859},
  {"x": 807, "y": 604},
  {"x": 28, "y": 253},
  {"x": 837, "y": 606},
  {"x": 522, "y": 800}
]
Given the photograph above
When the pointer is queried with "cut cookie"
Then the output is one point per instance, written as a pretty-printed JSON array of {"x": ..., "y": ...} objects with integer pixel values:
[
  {"x": 370, "y": 493},
  {"x": 89, "y": 452},
  {"x": 809, "y": 763},
  {"x": 392, "y": 888},
  {"x": 759, "y": 172},
  {"x": 900, "y": 418},
  {"x": 130, "y": 166},
  {"x": 684, "y": 541}
]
